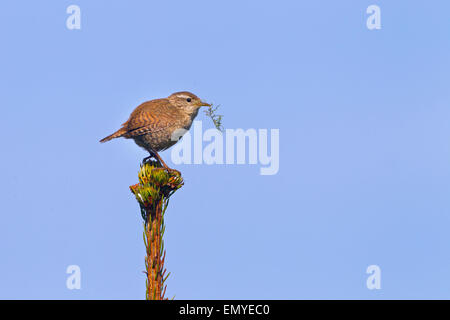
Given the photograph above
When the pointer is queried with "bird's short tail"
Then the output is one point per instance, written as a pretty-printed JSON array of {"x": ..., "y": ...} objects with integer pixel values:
[{"x": 116, "y": 134}]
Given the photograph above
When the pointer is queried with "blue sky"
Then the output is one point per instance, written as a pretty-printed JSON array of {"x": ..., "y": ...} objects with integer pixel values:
[{"x": 364, "y": 172}]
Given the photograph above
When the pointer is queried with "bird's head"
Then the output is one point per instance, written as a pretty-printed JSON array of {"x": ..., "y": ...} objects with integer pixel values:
[{"x": 188, "y": 102}]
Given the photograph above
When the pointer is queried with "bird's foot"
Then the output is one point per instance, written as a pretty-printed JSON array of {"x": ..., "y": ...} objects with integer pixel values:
[
  {"x": 172, "y": 171},
  {"x": 147, "y": 159},
  {"x": 162, "y": 164}
]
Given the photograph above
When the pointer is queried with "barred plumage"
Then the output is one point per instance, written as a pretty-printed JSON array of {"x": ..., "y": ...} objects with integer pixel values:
[{"x": 152, "y": 123}]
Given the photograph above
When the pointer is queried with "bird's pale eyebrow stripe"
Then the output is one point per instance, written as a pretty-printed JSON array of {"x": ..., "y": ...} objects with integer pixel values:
[{"x": 183, "y": 96}]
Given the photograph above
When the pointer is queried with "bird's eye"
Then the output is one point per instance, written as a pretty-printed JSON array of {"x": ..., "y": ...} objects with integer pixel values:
[{"x": 188, "y": 99}]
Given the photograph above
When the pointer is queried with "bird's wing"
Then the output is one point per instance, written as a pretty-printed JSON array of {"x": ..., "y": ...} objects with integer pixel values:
[{"x": 150, "y": 117}]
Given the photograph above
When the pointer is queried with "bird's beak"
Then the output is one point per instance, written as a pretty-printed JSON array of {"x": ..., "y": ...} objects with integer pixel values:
[{"x": 204, "y": 104}]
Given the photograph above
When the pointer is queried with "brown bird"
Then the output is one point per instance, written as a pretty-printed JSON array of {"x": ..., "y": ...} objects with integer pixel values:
[{"x": 158, "y": 124}]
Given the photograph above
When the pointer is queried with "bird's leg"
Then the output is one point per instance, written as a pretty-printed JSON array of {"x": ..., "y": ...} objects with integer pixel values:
[
  {"x": 154, "y": 154},
  {"x": 161, "y": 161},
  {"x": 147, "y": 158}
]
